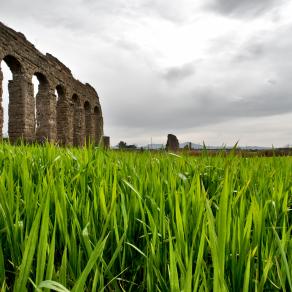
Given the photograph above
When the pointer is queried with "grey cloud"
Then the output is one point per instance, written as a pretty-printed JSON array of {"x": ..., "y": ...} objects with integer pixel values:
[
  {"x": 126, "y": 45},
  {"x": 178, "y": 11},
  {"x": 219, "y": 92},
  {"x": 202, "y": 107},
  {"x": 74, "y": 16},
  {"x": 272, "y": 81},
  {"x": 175, "y": 74},
  {"x": 273, "y": 47},
  {"x": 242, "y": 8},
  {"x": 175, "y": 10},
  {"x": 252, "y": 50}
]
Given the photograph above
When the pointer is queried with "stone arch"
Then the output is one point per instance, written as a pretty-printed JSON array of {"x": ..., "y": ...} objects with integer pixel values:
[
  {"x": 25, "y": 61},
  {"x": 61, "y": 114},
  {"x": 76, "y": 119},
  {"x": 16, "y": 96},
  {"x": 42, "y": 108},
  {"x": 96, "y": 124},
  {"x": 14, "y": 65},
  {"x": 87, "y": 122}
]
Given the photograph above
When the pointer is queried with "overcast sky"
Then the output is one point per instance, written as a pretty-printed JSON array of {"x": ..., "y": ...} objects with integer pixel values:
[{"x": 217, "y": 71}]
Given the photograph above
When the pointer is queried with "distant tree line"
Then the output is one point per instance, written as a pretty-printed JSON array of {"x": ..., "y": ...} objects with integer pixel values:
[{"x": 123, "y": 145}]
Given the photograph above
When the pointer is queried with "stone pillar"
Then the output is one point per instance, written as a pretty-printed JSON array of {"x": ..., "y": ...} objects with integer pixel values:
[
  {"x": 44, "y": 114},
  {"x": 29, "y": 112},
  {"x": 99, "y": 129},
  {"x": 52, "y": 116},
  {"x": 77, "y": 125},
  {"x": 63, "y": 122},
  {"x": 1, "y": 106},
  {"x": 87, "y": 128},
  {"x": 97, "y": 126},
  {"x": 93, "y": 128},
  {"x": 71, "y": 122},
  {"x": 82, "y": 127},
  {"x": 21, "y": 118}
]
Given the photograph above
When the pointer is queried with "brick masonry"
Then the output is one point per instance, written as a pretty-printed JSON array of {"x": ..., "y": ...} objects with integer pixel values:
[{"x": 64, "y": 110}]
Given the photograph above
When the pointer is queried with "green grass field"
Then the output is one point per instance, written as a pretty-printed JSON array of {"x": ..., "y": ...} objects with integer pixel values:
[{"x": 88, "y": 220}]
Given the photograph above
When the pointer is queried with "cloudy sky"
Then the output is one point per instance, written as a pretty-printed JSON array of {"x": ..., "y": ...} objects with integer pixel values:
[{"x": 217, "y": 71}]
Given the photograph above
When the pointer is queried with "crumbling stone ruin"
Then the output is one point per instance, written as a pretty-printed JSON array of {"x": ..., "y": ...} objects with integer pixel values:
[
  {"x": 172, "y": 143},
  {"x": 64, "y": 110},
  {"x": 106, "y": 142}
]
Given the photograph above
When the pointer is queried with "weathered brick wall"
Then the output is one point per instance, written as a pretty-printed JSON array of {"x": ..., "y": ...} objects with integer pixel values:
[{"x": 75, "y": 118}]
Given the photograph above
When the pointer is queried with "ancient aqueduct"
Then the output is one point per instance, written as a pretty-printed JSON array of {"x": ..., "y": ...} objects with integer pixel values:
[{"x": 64, "y": 110}]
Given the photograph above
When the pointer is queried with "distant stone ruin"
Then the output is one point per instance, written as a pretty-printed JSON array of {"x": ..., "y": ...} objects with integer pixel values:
[
  {"x": 65, "y": 110},
  {"x": 172, "y": 143},
  {"x": 106, "y": 142}
]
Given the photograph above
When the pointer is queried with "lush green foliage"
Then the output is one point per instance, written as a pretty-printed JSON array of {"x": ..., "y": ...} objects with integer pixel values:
[{"x": 90, "y": 220}]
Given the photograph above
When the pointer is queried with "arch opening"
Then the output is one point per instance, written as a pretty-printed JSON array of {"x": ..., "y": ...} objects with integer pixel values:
[
  {"x": 41, "y": 106},
  {"x": 13, "y": 64},
  {"x": 75, "y": 99},
  {"x": 11, "y": 111},
  {"x": 35, "y": 83},
  {"x": 59, "y": 93},
  {"x": 61, "y": 110},
  {"x": 96, "y": 124},
  {"x": 76, "y": 119},
  {"x": 5, "y": 75}
]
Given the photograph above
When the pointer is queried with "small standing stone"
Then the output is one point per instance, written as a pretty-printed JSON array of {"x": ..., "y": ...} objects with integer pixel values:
[
  {"x": 172, "y": 143},
  {"x": 106, "y": 142}
]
